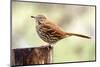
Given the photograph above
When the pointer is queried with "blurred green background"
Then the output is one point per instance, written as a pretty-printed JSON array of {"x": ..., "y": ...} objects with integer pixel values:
[{"x": 72, "y": 18}]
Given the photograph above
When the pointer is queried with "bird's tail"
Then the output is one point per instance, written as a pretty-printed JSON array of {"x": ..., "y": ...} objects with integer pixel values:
[{"x": 79, "y": 35}]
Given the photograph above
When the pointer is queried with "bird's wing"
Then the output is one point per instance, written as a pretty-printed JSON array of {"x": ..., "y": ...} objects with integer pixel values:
[{"x": 54, "y": 28}]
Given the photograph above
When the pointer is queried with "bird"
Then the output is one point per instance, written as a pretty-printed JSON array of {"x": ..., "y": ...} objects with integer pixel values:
[{"x": 50, "y": 32}]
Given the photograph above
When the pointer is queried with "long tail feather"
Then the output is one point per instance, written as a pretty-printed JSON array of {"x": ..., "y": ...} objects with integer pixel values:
[{"x": 79, "y": 35}]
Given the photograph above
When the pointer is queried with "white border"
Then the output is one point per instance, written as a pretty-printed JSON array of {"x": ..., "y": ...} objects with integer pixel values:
[{"x": 5, "y": 33}]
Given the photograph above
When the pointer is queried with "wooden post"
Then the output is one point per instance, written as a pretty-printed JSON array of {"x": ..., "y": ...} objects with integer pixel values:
[{"x": 31, "y": 56}]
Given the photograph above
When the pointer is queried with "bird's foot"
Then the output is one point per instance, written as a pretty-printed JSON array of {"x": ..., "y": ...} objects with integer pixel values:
[{"x": 48, "y": 45}]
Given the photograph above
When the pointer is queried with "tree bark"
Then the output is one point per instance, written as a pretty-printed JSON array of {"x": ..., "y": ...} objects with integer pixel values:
[{"x": 30, "y": 56}]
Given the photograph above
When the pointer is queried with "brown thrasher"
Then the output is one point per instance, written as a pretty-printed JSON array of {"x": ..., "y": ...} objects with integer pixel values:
[{"x": 51, "y": 32}]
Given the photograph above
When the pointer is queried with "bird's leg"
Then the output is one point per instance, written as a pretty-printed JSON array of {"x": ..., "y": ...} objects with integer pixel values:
[
  {"x": 50, "y": 45},
  {"x": 47, "y": 45}
]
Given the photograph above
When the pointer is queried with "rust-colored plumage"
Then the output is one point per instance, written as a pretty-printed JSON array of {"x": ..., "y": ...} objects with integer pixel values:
[{"x": 51, "y": 32}]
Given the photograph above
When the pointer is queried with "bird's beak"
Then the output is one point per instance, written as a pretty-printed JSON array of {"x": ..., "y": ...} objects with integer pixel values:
[{"x": 32, "y": 16}]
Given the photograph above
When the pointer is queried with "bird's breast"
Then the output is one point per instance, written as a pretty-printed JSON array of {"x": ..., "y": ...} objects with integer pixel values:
[{"x": 47, "y": 34}]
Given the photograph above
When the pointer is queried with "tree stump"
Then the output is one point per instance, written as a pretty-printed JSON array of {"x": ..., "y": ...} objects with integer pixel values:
[{"x": 31, "y": 56}]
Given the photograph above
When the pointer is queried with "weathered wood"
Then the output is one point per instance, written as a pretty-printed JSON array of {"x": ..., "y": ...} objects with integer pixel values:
[{"x": 35, "y": 55}]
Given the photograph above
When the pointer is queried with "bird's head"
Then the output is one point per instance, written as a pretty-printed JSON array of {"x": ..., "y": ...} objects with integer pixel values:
[{"x": 39, "y": 18}]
